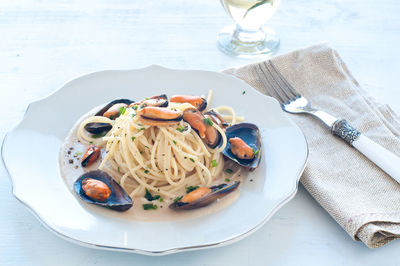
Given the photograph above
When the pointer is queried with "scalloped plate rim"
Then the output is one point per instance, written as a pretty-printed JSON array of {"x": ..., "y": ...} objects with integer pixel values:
[{"x": 135, "y": 250}]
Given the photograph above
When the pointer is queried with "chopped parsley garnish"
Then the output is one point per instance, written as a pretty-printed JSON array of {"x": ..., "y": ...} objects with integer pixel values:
[
  {"x": 119, "y": 169},
  {"x": 146, "y": 98},
  {"x": 161, "y": 199},
  {"x": 142, "y": 128},
  {"x": 178, "y": 198},
  {"x": 146, "y": 171},
  {"x": 255, "y": 151},
  {"x": 181, "y": 129},
  {"x": 122, "y": 110},
  {"x": 208, "y": 121},
  {"x": 214, "y": 163},
  {"x": 185, "y": 157},
  {"x": 150, "y": 197},
  {"x": 149, "y": 206},
  {"x": 227, "y": 180},
  {"x": 174, "y": 142},
  {"x": 133, "y": 138},
  {"x": 191, "y": 188},
  {"x": 78, "y": 153},
  {"x": 244, "y": 92},
  {"x": 134, "y": 107},
  {"x": 133, "y": 115},
  {"x": 191, "y": 160},
  {"x": 229, "y": 171}
]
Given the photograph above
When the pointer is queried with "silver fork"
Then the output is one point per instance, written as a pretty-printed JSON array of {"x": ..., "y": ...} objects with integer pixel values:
[{"x": 292, "y": 102}]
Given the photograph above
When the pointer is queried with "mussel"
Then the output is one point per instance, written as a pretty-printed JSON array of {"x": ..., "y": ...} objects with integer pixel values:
[
  {"x": 241, "y": 150},
  {"x": 250, "y": 135},
  {"x": 203, "y": 126},
  {"x": 90, "y": 156},
  {"x": 203, "y": 196},
  {"x": 159, "y": 116},
  {"x": 216, "y": 118},
  {"x": 156, "y": 101},
  {"x": 97, "y": 187},
  {"x": 102, "y": 128},
  {"x": 197, "y": 101},
  {"x": 98, "y": 128},
  {"x": 110, "y": 104}
]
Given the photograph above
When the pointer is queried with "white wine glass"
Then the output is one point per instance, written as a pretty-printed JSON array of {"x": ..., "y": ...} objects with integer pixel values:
[{"x": 249, "y": 38}]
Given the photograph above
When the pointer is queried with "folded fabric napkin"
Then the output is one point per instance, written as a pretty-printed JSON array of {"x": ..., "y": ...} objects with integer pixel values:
[{"x": 357, "y": 194}]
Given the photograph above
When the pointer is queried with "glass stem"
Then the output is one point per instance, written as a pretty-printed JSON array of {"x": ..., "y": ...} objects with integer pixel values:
[{"x": 243, "y": 35}]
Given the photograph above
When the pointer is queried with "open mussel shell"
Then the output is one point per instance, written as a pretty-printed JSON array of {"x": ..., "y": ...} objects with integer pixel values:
[
  {"x": 108, "y": 106},
  {"x": 118, "y": 200},
  {"x": 217, "y": 192},
  {"x": 98, "y": 128},
  {"x": 250, "y": 134}
]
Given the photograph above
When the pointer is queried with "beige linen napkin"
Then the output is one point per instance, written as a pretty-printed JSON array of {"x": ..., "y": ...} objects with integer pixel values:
[{"x": 357, "y": 194}]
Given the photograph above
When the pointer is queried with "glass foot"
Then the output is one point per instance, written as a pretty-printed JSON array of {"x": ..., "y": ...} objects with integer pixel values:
[{"x": 265, "y": 46}]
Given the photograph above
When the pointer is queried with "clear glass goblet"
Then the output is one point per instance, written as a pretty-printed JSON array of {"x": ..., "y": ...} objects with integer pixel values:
[{"x": 249, "y": 38}]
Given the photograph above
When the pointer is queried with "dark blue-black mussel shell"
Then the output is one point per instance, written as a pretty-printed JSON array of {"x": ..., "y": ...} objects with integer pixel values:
[
  {"x": 217, "y": 192},
  {"x": 118, "y": 200},
  {"x": 250, "y": 134}
]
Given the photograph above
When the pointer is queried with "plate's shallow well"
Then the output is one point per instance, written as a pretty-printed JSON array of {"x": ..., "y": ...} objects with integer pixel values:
[{"x": 31, "y": 153}]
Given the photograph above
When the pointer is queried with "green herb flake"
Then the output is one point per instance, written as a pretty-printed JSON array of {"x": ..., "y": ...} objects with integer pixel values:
[
  {"x": 227, "y": 180},
  {"x": 119, "y": 169},
  {"x": 191, "y": 188},
  {"x": 150, "y": 197},
  {"x": 78, "y": 153},
  {"x": 133, "y": 115},
  {"x": 229, "y": 171},
  {"x": 122, "y": 110},
  {"x": 214, "y": 163},
  {"x": 133, "y": 138},
  {"x": 178, "y": 199},
  {"x": 134, "y": 107},
  {"x": 185, "y": 157},
  {"x": 149, "y": 206},
  {"x": 208, "y": 121},
  {"x": 191, "y": 160},
  {"x": 255, "y": 151},
  {"x": 161, "y": 199},
  {"x": 181, "y": 129},
  {"x": 174, "y": 142},
  {"x": 142, "y": 128},
  {"x": 244, "y": 92},
  {"x": 146, "y": 171}
]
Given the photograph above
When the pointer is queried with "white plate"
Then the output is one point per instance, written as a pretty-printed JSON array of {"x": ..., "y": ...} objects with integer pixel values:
[{"x": 31, "y": 153}]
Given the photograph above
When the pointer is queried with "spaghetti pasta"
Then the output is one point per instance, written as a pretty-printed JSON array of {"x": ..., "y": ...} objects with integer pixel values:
[{"x": 161, "y": 159}]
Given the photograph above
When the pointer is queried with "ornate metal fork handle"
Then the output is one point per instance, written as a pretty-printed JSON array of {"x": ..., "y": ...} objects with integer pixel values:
[
  {"x": 292, "y": 102},
  {"x": 338, "y": 127}
]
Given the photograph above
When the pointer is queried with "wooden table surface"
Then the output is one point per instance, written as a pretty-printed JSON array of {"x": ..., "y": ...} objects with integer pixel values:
[{"x": 45, "y": 43}]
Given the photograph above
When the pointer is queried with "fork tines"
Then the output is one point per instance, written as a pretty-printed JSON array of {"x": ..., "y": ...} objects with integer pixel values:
[{"x": 275, "y": 83}]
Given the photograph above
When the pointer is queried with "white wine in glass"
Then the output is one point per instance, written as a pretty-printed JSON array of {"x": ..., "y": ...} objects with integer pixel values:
[{"x": 249, "y": 37}]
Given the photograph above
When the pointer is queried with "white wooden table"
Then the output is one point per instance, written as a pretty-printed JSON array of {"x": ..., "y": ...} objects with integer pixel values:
[{"x": 46, "y": 43}]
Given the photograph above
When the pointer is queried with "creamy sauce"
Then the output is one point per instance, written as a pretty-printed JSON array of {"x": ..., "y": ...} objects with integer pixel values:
[{"x": 71, "y": 154}]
